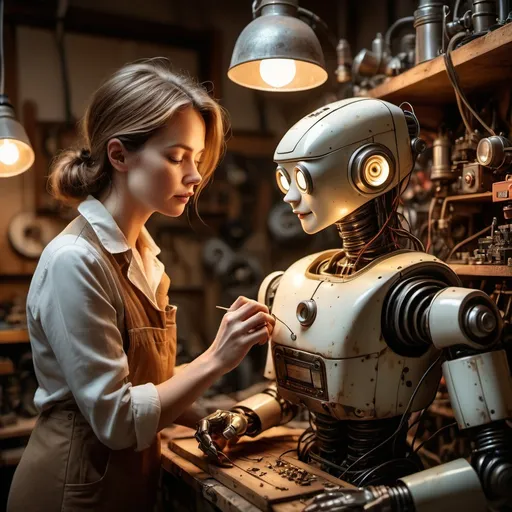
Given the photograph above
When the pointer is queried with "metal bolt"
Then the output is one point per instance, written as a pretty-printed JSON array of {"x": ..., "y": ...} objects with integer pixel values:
[{"x": 480, "y": 321}]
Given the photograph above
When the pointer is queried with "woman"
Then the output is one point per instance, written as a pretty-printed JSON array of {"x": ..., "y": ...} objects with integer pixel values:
[{"x": 103, "y": 335}]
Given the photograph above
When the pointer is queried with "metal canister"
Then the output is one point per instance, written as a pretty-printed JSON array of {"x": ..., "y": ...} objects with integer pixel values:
[
  {"x": 428, "y": 22},
  {"x": 484, "y": 15},
  {"x": 441, "y": 164}
]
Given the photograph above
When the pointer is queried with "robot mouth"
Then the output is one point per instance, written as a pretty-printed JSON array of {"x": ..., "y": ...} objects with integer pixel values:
[{"x": 302, "y": 215}]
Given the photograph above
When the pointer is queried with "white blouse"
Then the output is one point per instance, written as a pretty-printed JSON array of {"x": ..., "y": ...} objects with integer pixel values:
[{"x": 75, "y": 317}]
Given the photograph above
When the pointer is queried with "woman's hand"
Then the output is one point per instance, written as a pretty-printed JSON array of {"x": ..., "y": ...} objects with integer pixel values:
[{"x": 245, "y": 324}]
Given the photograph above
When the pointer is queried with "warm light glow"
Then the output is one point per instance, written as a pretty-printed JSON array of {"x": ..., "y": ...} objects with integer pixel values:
[
  {"x": 376, "y": 171},
  {"x": 9, "y": 153},
  {"x": 484, "y": 151},
  {"x": 277, "y": 72},
  {"x": 298, "y": 280}
]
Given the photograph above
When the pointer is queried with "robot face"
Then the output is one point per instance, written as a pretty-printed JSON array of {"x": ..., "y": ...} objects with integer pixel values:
[
  {"x": 340, "y": 157},
  {"x": 324, "y": 190}
]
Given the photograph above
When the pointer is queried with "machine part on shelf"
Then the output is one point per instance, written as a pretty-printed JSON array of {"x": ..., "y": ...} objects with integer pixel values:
[
  {"x": 494, "y": 152},
  {"x": 408, "y": 20},
  {"x": 459, "y": 24},
  {"x": 241, "y": 276},
  {"x": 28, "y": 385},
  {"x": 368, "y": 63},
  {"x": 235, "y": 232},
  {"x": 217, "y": 255},
  {"x": 344, "y": 69},
  {"x": 463, "y": 316},
  {"x": 484, "y": 15},
  {"x": 283, "y": 224},
  {"x": 441, "y": 164},
  {"x": 475, "y": 178},
  {"x": 465, "y": 148},
  {"x": 456, "y": 485},
  {"x": 495, "y": 249},
  {"x": 428, "y": 22},
  {"x": 480, "y": 388},
  {"x": 504, "y": 9},
  {"x": 29, "y": 233},
  {"x": 405, "y": 58}
]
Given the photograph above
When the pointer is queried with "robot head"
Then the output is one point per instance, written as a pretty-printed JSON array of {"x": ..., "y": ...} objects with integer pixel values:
[{"x": 343, "y": 155}]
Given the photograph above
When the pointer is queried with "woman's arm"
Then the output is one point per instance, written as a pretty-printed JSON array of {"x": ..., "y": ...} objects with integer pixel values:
[{"x": 247, "y": 323}]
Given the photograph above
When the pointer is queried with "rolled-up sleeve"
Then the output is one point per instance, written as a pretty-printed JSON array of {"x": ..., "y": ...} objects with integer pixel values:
[{"x": 78, "y": 316}]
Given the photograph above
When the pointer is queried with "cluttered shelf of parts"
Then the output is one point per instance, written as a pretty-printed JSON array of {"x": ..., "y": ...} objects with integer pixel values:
[
  {"x": 14, "y": 336},
  {"x": 480, "y": 64}
]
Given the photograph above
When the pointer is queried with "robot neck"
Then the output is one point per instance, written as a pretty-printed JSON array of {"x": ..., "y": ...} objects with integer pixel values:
[{"x": 364, "y": 238}]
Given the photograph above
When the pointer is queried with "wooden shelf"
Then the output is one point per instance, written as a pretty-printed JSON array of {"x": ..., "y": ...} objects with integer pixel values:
[
  {"x": 14, "y": 336},
  {"x": 482, "y": 270},
  {"x": 481, "y": 64},
  {"x": 11, "y": 457},
  {"x": 23, "y": 427}
]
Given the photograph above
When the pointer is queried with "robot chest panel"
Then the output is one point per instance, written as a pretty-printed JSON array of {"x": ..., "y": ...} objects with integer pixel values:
[{"x": 334, "y": 319}]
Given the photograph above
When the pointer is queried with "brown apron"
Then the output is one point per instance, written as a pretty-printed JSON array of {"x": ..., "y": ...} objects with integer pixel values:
[{"x": 65, "y": 467}]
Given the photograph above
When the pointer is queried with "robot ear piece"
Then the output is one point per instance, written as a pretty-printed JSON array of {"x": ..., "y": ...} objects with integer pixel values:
[
  {"x": 413, "y": 127},
  {"x": 372, "y": 168}
]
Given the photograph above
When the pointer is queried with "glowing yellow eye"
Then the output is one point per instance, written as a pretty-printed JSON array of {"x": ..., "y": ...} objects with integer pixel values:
[
  {"x": 282, "y": 181},
  {"x": 376, "y": 171},
  {"x": 301, "y": 180}
]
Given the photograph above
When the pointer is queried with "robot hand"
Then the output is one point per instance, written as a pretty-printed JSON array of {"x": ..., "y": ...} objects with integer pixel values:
[
  {"x": 350, "y": 499},
  {"x": 219, "y": 428}
]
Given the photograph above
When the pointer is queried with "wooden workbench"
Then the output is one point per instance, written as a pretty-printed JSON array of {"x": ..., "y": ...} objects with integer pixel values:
[{"x": 219, "y": 493}]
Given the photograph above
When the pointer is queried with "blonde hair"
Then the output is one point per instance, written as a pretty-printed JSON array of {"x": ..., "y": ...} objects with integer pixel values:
[{"x": 131, "y": 105}]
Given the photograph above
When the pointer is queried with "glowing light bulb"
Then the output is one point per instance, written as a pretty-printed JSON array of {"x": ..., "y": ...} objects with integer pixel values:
[
  {"x": 278, "y": 72},
  {"x": 9, "y": 153}
]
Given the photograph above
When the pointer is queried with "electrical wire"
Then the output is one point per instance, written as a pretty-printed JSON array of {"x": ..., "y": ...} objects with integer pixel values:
[
  {"x": 400, "y": 425},
  {"x": 467, "y": 240},
  {"x": 429, "y": 223},
  {"x": 434, "y": 435},
  {"x": 417, "y": 422},
  {"x": 453, "y": 77},
  {"x": 456, "y": 10},
  {"x": 61, "y": 48},
  {"x": 2, "y": 58},
  {"x": 362, "y": 478}
]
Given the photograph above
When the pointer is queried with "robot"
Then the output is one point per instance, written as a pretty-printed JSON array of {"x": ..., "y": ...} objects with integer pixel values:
[{"x": 363, "y": 333}]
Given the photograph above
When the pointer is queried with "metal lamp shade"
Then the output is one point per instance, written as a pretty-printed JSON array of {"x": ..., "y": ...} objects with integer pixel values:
[
  {"x": 278, "y": 37},
  {"x": 16, "y": 153}
]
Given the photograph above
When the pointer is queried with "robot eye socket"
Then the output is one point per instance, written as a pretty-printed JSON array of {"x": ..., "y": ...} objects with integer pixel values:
[
  {"x": 283, "y": 180},
  {"x": 372, "y": 168},
  {"x": 303, "y": 179}
]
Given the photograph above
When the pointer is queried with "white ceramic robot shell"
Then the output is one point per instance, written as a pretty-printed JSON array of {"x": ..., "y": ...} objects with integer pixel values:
[{"x": 334, "y": 145}]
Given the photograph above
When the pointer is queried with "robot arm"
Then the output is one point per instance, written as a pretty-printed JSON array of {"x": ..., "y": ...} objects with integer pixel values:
[
  {"x": 255, "y": 414},
  {"x": 465, "y": 324}
]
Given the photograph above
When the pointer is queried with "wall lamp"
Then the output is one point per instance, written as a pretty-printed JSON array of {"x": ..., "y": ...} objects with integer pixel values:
[{"x": 16, "y": 153}]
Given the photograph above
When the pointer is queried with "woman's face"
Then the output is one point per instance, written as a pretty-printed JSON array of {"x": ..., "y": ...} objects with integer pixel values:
[{"x": 163, "y": 175}]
